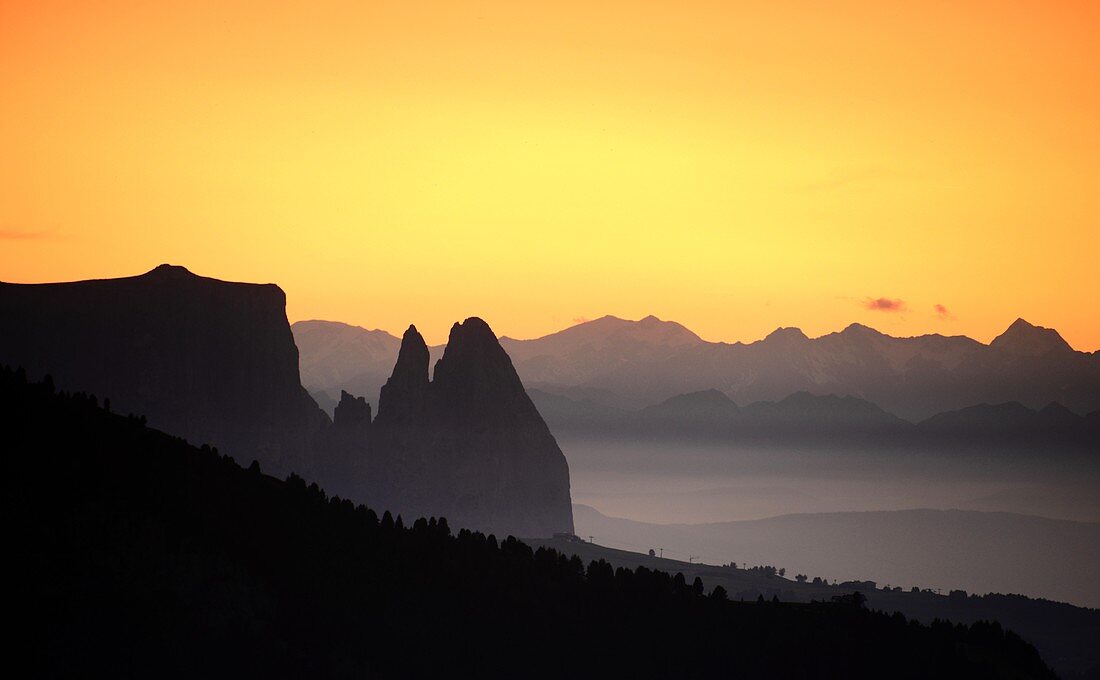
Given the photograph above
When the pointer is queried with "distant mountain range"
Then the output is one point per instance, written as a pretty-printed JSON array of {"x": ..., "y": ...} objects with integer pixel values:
[
  {"x": 635, "y": 364},
  {"x": 343, "y": 357},
  {"x": 807, "y": 420},
  {"x": 215, "y": 362},
  {"x": 656, "y": 377}
]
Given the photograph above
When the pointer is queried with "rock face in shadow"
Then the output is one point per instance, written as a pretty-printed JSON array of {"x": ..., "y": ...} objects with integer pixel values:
[
  {"x": 470, "y": 444},
  {"x": 405, "y": 394},
  {"x": 352, "y": 413},
  {"x": 208, "y": 360}
]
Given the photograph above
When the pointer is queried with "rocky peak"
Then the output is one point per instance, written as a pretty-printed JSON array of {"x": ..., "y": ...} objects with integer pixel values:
[
  {"x": 1054, "y": 414},
  {"x": 470, "y": 445},
  {"x": 786, "y": 336},
  {"x": 351, "y": 412},
  {"x": 693, "y": 406},
  {"x": 859, "y": 330},
  {"x": 170, "y": 271},
  {"x": 404, "y": 396},
  {"x": 475, "y": 377},
  {"x": 1025, "y": 339}
]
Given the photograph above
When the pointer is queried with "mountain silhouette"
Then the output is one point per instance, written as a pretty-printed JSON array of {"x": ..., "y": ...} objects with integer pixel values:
[
  {"x": 469, "y": 444},
  {"x": 697, "y": 408},
  {"x": 216, "y": 362},
  {"x": 815, "y": 420},
  {"x": 208, "y": 360},
  {"x": 404, "y": 397},
  {"x": 1012, "y": 425},
  {"x": 820, "y": 422},
  {"x": 356, "y": 359},
  {"x": 1025, "y": 339},
  {"x": 633, "y": 364}
]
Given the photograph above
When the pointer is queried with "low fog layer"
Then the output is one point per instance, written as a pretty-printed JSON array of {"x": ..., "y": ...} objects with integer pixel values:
[
  {"x": 665, "y": 482},
  {"x": 700, "y": 502},
  {"x": 979, "y": 552}
]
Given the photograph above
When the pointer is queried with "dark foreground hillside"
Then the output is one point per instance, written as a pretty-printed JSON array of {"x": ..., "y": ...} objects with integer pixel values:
[{"x": 137, "y": 554}]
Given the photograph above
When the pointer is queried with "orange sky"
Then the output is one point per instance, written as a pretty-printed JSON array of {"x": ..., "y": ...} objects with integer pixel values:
[{"x": 732, "y": 166}]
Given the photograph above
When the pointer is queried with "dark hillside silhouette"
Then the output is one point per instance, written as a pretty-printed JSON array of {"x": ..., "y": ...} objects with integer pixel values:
[
  {"x": 139, "y": 555},
  {"x": 1064, "y": 634}
]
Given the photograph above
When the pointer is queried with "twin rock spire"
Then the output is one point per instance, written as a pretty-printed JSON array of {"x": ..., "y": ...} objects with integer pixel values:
[{"x": 468, "y": 444}]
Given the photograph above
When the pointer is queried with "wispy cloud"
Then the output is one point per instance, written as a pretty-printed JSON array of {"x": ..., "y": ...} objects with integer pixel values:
[
  {"x": 884, "y": 304},
  {"x": 943, "y": 312}
]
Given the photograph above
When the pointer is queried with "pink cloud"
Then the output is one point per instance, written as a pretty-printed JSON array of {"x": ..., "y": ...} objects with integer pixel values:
[{"x": 884, "y": 305}]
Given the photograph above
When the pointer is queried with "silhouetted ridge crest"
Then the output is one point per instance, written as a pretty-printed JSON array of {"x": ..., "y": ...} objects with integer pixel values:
[
  {"x": 403, "y": 398},
  {"x": 210, "y": 360},
  {"x": 634, "y": 364},
  {"x": 352, "y": 411},
  {"x": 469, "y": 444},
  {"x": 1027, "y": 339},
  {"x": 170, "y": 271},
  {"x": 786, "y": 335},
  {"x": 475, "y": 381}
]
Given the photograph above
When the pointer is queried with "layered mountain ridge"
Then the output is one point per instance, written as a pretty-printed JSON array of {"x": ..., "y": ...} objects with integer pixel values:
[
  {"x": 632, "y": 364},
  {"x": 824, "y": 422}
]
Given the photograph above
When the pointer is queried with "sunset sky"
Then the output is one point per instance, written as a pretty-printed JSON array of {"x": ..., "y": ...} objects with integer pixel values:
[{"x": 915, "y": 166}]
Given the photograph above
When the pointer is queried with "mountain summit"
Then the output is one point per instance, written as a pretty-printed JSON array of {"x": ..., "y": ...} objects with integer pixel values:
[
  {"x": 1026, "y": 339},
  {"x": 647, "y": 331},
  {"x": 469, "y": 444},
  {"x": 404, "y": 397}
]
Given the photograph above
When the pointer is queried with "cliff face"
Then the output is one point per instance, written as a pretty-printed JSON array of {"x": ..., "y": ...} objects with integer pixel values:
[
  {"x": 469, "y": 445},
  {"x": 207, "y": 360}
]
